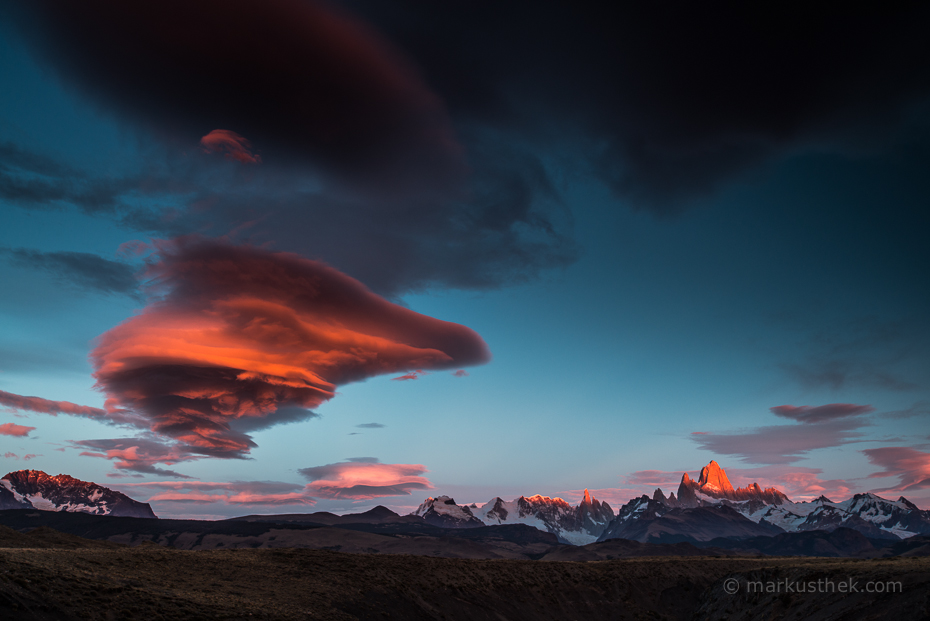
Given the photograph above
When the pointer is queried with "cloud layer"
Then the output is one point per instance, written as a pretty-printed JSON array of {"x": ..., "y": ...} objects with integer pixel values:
[
  {"x": 818, "y": 427},
  {"x": 911, "y": 466},
  {"x": 240, "y": 339},
  {"x": 17, "y": 431},
  {"x": 364, "y": 478}
]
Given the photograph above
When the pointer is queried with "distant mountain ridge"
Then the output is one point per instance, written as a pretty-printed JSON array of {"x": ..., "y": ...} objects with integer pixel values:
[
  {"x": 34, "y": 489},
  {"x": 576, "y": 525},
  {"x": 706, "y": 508},
  {"x": 659, "y": 518}
]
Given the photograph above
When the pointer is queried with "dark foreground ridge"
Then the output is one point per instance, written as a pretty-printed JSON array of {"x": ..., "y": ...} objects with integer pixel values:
[
  {"x": 47, "y": 576},
  {"x": 379, "y": 533}
]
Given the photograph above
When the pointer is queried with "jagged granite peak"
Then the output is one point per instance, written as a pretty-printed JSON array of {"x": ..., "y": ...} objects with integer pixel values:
[
  {"x": 714, "y": 483},
  {"x": 34, "y": 489},
  {"x": 658, "y": 496},
  {"x": 686, "y": 495},
  {"x": 714, "y": 478},
  {"x": 576, "y": 525}
]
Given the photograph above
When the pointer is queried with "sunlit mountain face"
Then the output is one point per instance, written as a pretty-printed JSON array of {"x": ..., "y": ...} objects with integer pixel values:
[{"x": 289, "y": 256}]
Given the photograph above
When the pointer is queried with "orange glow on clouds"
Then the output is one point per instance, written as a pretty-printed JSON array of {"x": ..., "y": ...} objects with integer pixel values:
[
  {"x": 365, "y": 478},
  {"x": 232, "y": 144},
  {"x": 12, "y": 429},
  {"x": 239, "y": 338}
]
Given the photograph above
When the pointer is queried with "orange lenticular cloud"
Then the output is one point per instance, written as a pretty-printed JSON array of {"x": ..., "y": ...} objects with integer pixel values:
[
  {"x": 240, "y": 338},
  {"x": 364, "y": 478}
]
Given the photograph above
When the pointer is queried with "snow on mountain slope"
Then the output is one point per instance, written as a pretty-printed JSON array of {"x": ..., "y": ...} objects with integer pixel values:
[
  {"x": 576, "y": 525},
  {"x": 768, "y": 508},
  {"x": 869, "y": 514},
  {"x": 34, "y": 489}
]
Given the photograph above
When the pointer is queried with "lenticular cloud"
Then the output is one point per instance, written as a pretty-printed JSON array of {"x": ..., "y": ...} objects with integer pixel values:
[{"x": 239, "y": 338}]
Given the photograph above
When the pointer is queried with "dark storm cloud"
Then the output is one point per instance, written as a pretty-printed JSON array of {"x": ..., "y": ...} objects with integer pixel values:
[
  {"x": 297, "y": 77},
  {"x": 410, "y": 144},
  {"x": 673, "y": 98},
  {"x": 81, "y": 269}
]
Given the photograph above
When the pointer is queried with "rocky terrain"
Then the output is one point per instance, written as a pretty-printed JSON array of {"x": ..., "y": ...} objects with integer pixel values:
[
  {"x": 763, "y": 511},
  {"x": 575, "y": 525},
  {"x": 34, "y": 489}
]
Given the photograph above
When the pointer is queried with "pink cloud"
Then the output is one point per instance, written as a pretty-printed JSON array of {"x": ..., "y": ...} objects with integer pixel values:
[
  {"x": 410, "y": 376},
  {"x": 11, "y": 456},
  {"x": 234, "y": 146},
  {"x": 12, "y": 429},
  {"x": 30, "y": 456},
  {"x": 137, "y": 454},
  {"x": 815, "y": 428},
  {"x": 45, "y": 406},
  {"x": 799, "y": 483},
  {"x": 460, "y": 373},
  {"x": 270, "y": 493},
  {"x": 364, "y": 478},
  {"x": 911, "y": 466}
]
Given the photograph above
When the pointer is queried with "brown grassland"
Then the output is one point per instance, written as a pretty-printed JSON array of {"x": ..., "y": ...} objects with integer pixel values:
[{"x": 46, "y": 575}]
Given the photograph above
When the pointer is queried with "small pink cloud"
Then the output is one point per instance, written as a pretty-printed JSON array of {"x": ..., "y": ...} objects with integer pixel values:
[
  {"x": 364, "y": 478},
  {"x": 911, "y": 466},
  {"x": 10, "y": 456},
  {"x": 460, "y": 373},
  {"x": 46, "y": 406},
  {"x": 410, "y": 376},
  {"x": 797, "y": 482},
  {"x": 12, "y": 429},
  {"x": 30, "y": 456},
  {"x": 137, "y": 454},
  {"x": 270, "y": 493},
  {"x": 234, "y": 146}
]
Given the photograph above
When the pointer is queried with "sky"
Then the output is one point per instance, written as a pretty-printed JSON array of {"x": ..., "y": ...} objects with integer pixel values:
[{"x": 294, "y": 255}]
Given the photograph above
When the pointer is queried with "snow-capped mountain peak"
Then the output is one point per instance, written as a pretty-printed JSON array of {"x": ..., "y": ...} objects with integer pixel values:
[
  {"x": 577, "y": 525},
  {"x": 34, "y": 489}
]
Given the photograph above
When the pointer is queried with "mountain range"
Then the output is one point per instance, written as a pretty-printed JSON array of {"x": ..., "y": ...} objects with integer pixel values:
[
  {"x": 34, "y": 489},
  {"x": 575, "y": 525},
  {"x": 703, "y": 510}
]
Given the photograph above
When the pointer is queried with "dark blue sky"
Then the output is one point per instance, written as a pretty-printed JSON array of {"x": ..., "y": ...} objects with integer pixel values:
[{"x": 662, "y": 224}]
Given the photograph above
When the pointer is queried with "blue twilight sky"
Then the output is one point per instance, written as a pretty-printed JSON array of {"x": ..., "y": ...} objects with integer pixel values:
[{"x": 657, "y": 272}]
